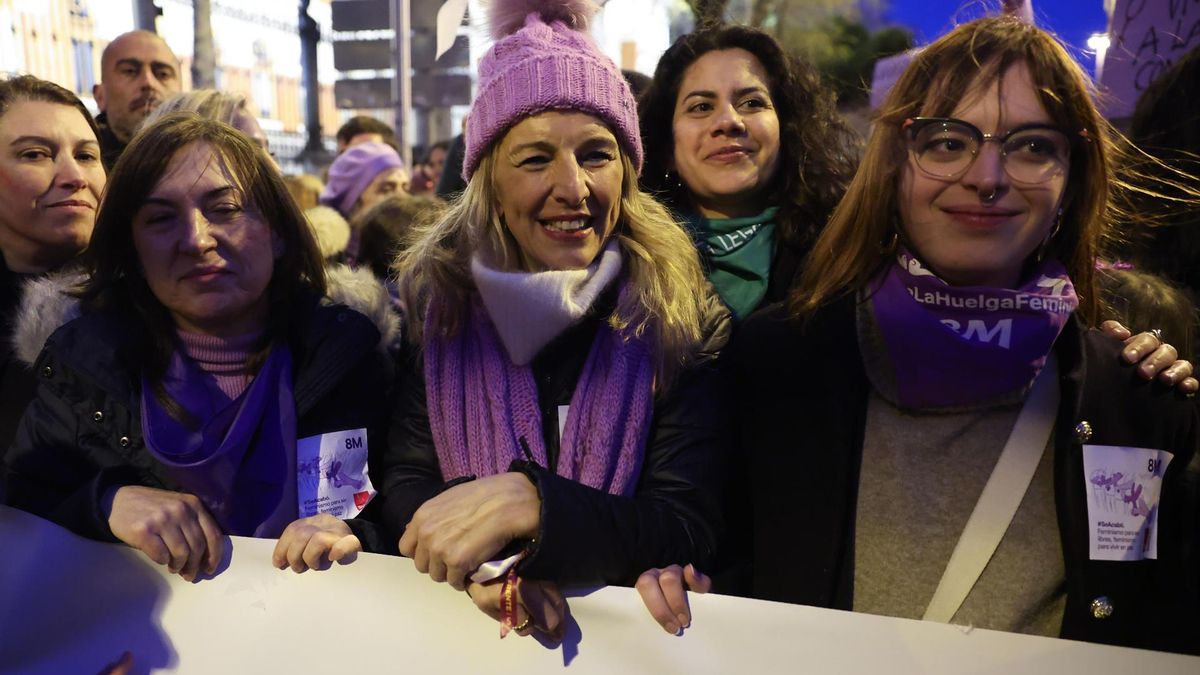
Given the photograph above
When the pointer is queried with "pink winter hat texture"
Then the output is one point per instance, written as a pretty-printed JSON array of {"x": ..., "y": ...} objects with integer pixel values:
[
  {"x": 353, "y": 171},
  {"x": 543, "y": 60}
]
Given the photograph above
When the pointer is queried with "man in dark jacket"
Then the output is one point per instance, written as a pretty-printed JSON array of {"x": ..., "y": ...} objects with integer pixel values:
[{"x": 138, "y": 71}]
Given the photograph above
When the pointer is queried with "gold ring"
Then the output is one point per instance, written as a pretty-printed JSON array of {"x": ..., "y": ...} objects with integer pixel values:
[{"x": 523, "y": 625}]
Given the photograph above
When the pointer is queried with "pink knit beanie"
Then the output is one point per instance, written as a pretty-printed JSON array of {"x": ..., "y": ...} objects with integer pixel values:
[
  {"x": 353, "y": 171},
  {"x": 543, "y": 60}
]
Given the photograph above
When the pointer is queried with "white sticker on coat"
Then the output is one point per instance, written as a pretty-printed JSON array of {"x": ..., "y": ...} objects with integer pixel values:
[
  {"x": 1123, "y": 486},
  {"x": 331, "y": 474},
  {"x": 562, "y": 420}
]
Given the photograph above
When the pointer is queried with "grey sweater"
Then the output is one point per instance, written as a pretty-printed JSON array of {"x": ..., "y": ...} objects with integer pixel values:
[{"x": 921, "y": 476}]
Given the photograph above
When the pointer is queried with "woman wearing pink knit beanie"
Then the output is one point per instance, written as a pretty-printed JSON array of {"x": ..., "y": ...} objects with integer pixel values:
[{"x": 562, "y": 423}]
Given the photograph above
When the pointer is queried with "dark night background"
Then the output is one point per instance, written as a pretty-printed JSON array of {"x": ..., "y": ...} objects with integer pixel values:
[{"x": 1072, "y": 20}]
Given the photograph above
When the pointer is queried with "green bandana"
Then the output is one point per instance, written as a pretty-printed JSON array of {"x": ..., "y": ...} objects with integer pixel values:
[{"x": 737, "y": 254}]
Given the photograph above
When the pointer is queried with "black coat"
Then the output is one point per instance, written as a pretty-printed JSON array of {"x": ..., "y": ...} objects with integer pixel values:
[
  {"x": 588, "y": 536},
  {"x": 16, "y": 380},
  {"x": 786, "y": 268},
  {"x": 452, "y": 182},
  {"x": 82, "y": 434},
  {"x": 111, "y": 148},
  {"x": 801, "y": 404}
]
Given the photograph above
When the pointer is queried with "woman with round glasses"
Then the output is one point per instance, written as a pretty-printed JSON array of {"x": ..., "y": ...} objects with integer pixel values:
[
  {"x": 945, "y": 147},
  {"x": 951, "y": 298}
]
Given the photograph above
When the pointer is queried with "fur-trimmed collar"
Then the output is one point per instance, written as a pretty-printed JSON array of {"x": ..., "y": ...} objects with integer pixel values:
[
  {"x": 361, "y": 291},
  {"x": 330, "y": 229},
  {"x": 47, "y": 304}
]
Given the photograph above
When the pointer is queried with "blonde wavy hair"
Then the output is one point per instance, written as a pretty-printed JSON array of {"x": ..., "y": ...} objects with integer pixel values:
[
  {"x": 1103, "y": 179},
  {"x": 660, "y": 263},
  {"x": 210, "y": 103}
]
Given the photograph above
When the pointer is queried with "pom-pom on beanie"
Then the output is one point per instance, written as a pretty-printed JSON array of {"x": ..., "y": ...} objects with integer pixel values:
[
  {"x": 544, "y": 60},
  {"x": 353, "y": 171}
]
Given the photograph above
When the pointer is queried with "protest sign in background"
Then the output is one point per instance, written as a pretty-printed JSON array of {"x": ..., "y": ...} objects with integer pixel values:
[{"x": 1146, "y": 37}]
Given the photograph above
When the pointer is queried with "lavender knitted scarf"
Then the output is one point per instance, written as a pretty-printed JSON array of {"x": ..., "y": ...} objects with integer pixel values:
[{"x": 481, "y": 405}]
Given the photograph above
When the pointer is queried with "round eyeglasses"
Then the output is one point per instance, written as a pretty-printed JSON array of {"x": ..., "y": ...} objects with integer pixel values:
[{"x": 945, "y": 148}]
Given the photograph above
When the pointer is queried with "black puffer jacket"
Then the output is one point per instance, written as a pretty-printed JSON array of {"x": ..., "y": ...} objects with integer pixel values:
[
  {"x": 82, "y": 434},
  {"x": 589, "y": 536}
]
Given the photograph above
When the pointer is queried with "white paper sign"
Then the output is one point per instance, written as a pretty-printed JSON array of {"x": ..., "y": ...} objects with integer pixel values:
[
  {"x": 1146, "y": 38},
  {"x": 331, "y": 474},
  {"x": 449, "y": 18},
  {"x": 1123, "y": 485},
  {"x": 562, "y": 420}
]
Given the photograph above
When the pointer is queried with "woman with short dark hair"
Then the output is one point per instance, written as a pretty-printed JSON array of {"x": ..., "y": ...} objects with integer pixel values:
[{"x": 212, "y": 377}]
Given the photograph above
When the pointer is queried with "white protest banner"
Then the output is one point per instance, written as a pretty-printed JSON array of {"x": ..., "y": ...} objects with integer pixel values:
[
  {"x": 1146, "y": 37},
  {"x": 68, "y": 605}
]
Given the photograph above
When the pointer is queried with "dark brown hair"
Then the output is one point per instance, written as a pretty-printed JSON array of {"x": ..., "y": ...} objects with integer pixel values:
[
  {"x": 115, "y": 280},
  {"x": 365, "y": 124},
  {"x": 30, "y": 88},
  {"x": 1166, "y": 124},
  {"x": 816, "y": 158},
  {"x": 387, "y": 226},
  {"x": 1139, "y": 298}
]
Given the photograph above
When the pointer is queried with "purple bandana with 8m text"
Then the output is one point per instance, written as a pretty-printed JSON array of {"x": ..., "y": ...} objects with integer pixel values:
[{"x": 958, "y": 346}]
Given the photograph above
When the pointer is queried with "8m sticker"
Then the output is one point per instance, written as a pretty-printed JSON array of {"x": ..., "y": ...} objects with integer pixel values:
[
  {"x": 1123, "y": 486},
  {"x": 331, "y": 474}
]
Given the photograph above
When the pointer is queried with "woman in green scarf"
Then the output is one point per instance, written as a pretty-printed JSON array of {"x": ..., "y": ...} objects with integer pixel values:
[{"x": 746, "y": 145}]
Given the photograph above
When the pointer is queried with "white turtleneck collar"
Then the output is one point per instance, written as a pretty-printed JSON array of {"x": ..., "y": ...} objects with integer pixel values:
[{"x": 529, "y": 309}]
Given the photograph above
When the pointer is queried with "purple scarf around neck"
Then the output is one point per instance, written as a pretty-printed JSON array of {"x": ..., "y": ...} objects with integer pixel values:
[
  {"x": 481, "y": 405},
  {"x": 957, "y": 346},
  {"x": 241, "y": 460}
]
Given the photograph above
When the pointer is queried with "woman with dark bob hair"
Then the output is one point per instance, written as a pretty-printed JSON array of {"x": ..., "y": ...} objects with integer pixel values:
[
  {"x": 208, "y": 376},
  {"x": 968, "y": 449},
  {"x": 745, "y": 143}
]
